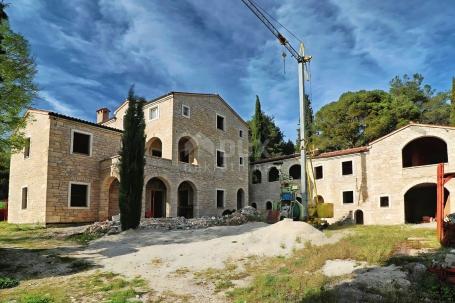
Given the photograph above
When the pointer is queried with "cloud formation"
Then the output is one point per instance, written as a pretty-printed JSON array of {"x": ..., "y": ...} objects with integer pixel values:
[{"x": 90, "y": 51}]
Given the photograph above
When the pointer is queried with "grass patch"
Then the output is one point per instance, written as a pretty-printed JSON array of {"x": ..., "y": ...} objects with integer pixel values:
[
  {"x": 84, "y": 238},
  {"x": 99, "y": 286},
  {"x": 298, "y": 279},
  {"x": 221, "y": 279}
]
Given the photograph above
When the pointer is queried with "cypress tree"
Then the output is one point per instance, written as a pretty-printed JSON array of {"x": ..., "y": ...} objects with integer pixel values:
[
  {"x": 132, "y": 163},
  {"x": 257, "y": 132},
  {"x": 452, "y": 109}
]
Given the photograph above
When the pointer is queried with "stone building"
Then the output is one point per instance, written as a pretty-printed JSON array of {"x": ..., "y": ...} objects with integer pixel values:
[
  {"x": 196, "y": 162},
  {"x": 390, "y": 181}
]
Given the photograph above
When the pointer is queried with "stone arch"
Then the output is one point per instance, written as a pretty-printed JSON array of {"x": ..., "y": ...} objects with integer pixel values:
[
  {"x": 268, "y": 205},
  {"x": 257, "y": 176},
  {"x": 186, "y": 199},
  {"x": 240, "y": 198},
  {"x": 274, "y": 174},
  {"x": 420, "y": 201},
  {"x": 154, "y": 147},
  {"x": 295, "y": 171},
  {"x": 113, "y": 204},
  {"x": 254, "y": 205},
  {"x": 157, "y": 192},
  {"x": 187, "y": 150},
  {"x": 358, "y": 217},
  {"x": 319, "y": 199},
  {"x": 425, "y": 150}
]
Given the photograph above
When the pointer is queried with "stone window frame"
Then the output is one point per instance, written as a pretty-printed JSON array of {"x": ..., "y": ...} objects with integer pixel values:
[
  {"x": 353, "y": 196},
  {"x": 322, "y": 171},
  {"x": 74, "y": 130},
  {"x": 22, "y": 197},
  {"x": 384, "y": 196},
  {"x": 353, "y": 167},
  {"x": 157, "y": 107},
  {"x": 224, "y": 122},
  {"x": 224, "y": 159},
  {"x": 216, "y": 198},
  {"x": 89, "y": 192},
  {"x": 189, "y": 111}
]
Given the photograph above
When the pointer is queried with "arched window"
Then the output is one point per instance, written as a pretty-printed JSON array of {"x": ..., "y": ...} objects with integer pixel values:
[
  {"x": 257, "y": 176},
  {"x": 268, "y": 205},
  {"x": 187, "y": 150},
  {"x": 274, "y": 175},
  {"x": 294, "y": 172},
  {"x": 424, "y": 151},
  {"x": 254, "y": 205},
  {"x": 155, "y": 147}
]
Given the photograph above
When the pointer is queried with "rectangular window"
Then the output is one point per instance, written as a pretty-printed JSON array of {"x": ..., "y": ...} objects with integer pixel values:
[
  {"x": 348, "y": 197},
  {"x": 219, "y": 158},
  {"x": 154, "y": 113},
  {"x": 81, "y": 143},
  {"x": 24, "y": 197},
  {"x": 241, "y": 161},
  {"x": 27, "y": 148},
  {"x": 79, "y": 195},
  {"x": 384, "y": 201},
  {"x": 241, "y": 133},
  {"x": 219, "y": 198},
  {"x": 318, "y": 172},
  {"x": 219, "y": 122},
  {"x": 346, "y": 168},
  {"x": 186, "y": 111}
]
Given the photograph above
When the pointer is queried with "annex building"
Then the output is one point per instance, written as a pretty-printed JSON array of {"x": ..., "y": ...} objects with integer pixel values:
[{"x": 197, "y": 165}]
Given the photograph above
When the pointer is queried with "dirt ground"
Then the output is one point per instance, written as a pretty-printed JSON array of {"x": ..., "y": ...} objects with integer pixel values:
[{"x": 171, "y": 260}]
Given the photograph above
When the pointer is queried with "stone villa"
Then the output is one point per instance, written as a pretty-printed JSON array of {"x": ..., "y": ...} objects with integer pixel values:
[{"x": 197, "y": 164}]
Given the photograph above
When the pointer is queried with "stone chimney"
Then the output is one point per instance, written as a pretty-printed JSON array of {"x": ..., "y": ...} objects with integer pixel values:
[{"x": 102, "y": 115}]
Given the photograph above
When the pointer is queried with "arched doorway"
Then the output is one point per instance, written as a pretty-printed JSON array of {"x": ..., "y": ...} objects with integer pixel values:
[
  {"x": 420, "y": 201},
  {"x": 113, "y": 208},
  {"x": 156, "y": 193},
  {"x": 358, "y": 216},
  {"x": 274, "y": 174},
  {"x": 424, "y": 151},
  {"x": 154, "y": 147},
  {"x": 187, "y": 150},
  {"x": 295, "y": 172},
  {"x": 268, "y": 205},
  {"x": 186, "y": 200},
  {"x": 240, "y": 198}
]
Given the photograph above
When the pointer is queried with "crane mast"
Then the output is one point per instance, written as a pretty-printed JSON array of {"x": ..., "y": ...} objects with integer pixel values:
[{"x": 301, "y": 60}]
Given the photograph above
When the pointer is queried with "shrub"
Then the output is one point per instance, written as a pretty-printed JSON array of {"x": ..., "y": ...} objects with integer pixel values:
[
  {"x": 36, "y": 299},
  {"x": 6, "y": 282}
]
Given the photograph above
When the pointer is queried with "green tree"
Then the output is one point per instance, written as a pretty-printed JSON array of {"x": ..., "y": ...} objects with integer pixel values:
[
  {"x": 452, "y": 109},
  {"x": 309, "y": 119},
  {"x": 17, "y": 90},
  {"x": 257, "y": 126},
  {"x": 132, "y": 163}
]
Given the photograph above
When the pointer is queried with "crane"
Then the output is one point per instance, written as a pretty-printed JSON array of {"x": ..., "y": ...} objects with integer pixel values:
[{"x": 301, "y": 60}]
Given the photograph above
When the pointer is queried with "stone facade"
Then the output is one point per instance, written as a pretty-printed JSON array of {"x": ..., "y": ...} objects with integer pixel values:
[
  {"x": 181, "y": 158},
  {"x": 377, "y": 172}
]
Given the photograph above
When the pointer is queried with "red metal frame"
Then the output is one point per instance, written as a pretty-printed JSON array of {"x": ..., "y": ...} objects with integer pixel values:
[{"x": 442, "y": 178}]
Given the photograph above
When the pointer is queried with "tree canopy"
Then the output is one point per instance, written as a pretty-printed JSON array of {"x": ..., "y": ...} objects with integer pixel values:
[
  {"x": 267, "y": 139},
  {"x": 358, "y": 118}
]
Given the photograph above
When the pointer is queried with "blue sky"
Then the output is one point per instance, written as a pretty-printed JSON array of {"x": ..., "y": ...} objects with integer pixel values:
[{"x": 89, "y": 52}]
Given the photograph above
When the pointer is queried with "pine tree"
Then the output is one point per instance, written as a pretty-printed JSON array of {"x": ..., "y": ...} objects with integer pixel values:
[
  {"x": 452, "y": 109},
  {"x": 132, "y": 163},
  {"x": 309, "y": 117}
]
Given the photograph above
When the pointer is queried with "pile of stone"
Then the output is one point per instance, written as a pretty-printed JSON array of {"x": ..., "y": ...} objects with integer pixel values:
[{"x": 240, "y": 217}]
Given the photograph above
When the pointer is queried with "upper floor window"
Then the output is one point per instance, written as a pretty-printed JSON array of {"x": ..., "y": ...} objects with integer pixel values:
[
  {"x": 81, "y": 143},
  {"x": 220, "y": 158},
  {"x": 240, "y": 133},
  {"x": 318, "y": 172},
  {"x": 186, "y": 111},
  {"x": 257, "y": 176},
  {"x": 241, "y": 161},
  {"x": 424, "y": 151},
  {"x": 348, "y": 197},
  {"x": 79, "y": 195},
  {"x": 295, "y": 172},
  {"x": 24, "y": 197},
  {"x": 27, "y": 148},
  {"x": 274, "y": 174},
  {"x": 346, "y": 168},
  {"x": 220, "y": 122},
  {"x": 154, "y": 113}
]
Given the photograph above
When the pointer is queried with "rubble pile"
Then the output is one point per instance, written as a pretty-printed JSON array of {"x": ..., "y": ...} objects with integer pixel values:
[{"x": 177, "y": 223}]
